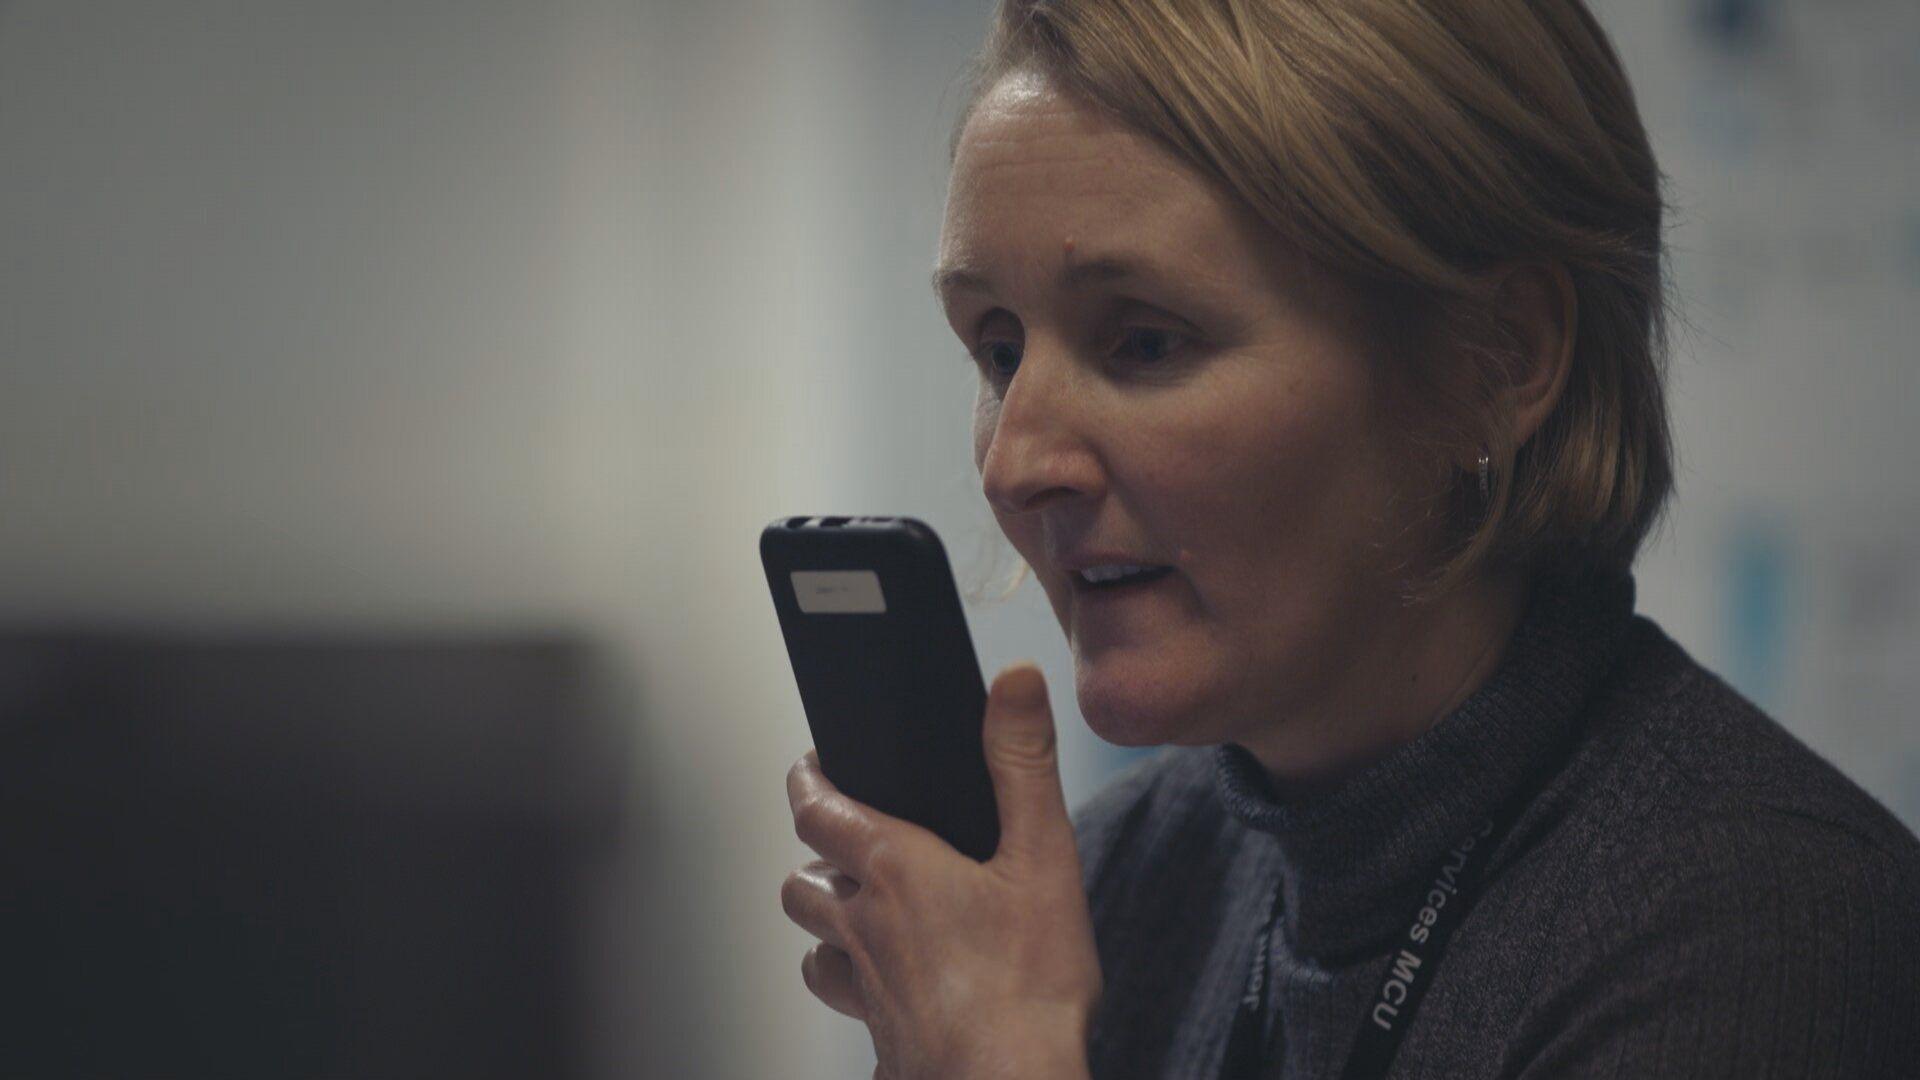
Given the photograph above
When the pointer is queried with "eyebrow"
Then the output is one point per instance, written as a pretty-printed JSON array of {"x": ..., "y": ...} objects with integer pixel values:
[{"x": 1079, "y": 273}]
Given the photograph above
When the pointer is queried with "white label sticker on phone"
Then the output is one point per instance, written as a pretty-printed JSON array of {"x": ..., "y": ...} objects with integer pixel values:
[{"x": 838, "y": 592}]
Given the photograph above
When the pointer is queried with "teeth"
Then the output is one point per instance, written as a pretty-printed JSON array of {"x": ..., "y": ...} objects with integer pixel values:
[{"x": 1099, "y": 574}]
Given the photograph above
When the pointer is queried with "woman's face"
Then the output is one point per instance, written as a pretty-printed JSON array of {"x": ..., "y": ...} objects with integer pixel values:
[{"x": 1165, "y": 382}]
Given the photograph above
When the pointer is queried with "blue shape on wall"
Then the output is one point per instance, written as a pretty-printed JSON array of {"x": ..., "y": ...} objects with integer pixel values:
[
  {"x": 1736, "y": 26},
  {"x": 1758, "y": 567}
]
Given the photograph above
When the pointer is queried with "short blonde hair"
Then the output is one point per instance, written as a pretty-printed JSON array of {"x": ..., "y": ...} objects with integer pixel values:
[{"x": 1408, "y": 145}]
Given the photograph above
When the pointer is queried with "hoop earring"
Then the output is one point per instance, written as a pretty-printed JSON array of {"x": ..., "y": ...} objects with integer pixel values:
[{"x": 1485, "y": 489}]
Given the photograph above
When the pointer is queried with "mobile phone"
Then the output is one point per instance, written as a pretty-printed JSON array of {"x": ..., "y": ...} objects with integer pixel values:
[{"x": 886, "y": 669}]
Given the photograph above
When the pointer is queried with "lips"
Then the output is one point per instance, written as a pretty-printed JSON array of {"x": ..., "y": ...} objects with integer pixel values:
[{"x": 1117, "y": 577}]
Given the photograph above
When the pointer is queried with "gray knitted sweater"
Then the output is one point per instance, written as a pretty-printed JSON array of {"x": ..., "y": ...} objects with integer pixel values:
[{"x": 1690, "y": 892}]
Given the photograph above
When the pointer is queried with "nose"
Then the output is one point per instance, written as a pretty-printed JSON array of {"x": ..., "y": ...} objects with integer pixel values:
[{"x": 1039, "y": 450}]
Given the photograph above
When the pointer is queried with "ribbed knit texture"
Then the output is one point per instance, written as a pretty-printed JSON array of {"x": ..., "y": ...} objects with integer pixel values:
[{"x": 1690, "y": 891}]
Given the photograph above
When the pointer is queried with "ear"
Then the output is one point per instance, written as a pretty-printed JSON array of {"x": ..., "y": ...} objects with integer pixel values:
[{"x": 1537, "y": 308}]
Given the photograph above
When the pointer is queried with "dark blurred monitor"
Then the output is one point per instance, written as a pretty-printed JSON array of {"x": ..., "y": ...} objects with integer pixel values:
[{"x": 295, "y": 858}]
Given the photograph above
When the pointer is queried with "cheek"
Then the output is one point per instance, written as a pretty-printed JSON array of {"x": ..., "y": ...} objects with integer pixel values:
[
  {"x": 1280, "y": 474},
  {"x": 986, "y": 419},
  {"x": 1248, "y": 457}
]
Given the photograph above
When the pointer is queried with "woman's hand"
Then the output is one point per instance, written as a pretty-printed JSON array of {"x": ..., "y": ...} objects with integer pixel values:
[{"x": 958, "y": 968}]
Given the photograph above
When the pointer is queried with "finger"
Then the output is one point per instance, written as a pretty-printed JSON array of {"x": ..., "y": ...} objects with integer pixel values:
[
  {"x": 811, "y": 897},
  {"x": 828, "y": 973},
  {"x": 1023, "y": 758},
  {"x": 842, "y": 830}
]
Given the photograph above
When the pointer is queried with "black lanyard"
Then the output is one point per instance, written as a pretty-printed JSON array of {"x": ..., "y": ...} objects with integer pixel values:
[{"x": 1410, "y": 970}]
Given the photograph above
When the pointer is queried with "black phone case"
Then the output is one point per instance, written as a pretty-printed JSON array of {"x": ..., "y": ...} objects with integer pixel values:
[{"x": 886, "y": 669}]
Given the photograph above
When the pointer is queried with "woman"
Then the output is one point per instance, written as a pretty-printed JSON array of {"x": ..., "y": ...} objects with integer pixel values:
[{"x": 1342, "y": 320}]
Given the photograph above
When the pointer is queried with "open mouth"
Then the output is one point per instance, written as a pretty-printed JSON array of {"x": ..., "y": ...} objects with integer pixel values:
[{"x": 1117, "y": 578}]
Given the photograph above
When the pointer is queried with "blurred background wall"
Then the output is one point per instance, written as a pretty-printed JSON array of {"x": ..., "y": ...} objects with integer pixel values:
[{"x": 493, "y": 325}]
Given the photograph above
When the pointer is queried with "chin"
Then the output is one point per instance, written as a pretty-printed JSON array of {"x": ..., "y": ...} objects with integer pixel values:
[{"x": 1139, "y": 704}]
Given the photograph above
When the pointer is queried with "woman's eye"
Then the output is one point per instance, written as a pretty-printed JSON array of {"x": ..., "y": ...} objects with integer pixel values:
[
  {"x": 1150, "y": 344},
  {"x": 1000, "y": 358}
]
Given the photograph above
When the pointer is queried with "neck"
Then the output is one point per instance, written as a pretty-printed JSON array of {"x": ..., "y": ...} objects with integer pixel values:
[
  {"x": 1347, "y": 860},
  {"x": 1416, "y": 670}
]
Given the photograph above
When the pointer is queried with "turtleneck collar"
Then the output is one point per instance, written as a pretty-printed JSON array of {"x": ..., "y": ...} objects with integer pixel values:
[{"x": 1353, "y": 858}]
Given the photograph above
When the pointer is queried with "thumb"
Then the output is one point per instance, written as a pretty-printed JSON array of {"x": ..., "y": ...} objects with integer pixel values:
[{"x": 1023, "y": 759}]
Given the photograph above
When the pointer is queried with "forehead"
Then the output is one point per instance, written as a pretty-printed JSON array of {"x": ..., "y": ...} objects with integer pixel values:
[
  {"x": 1034, "y": 152},
  {"x": 1036, "y": 166}
]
